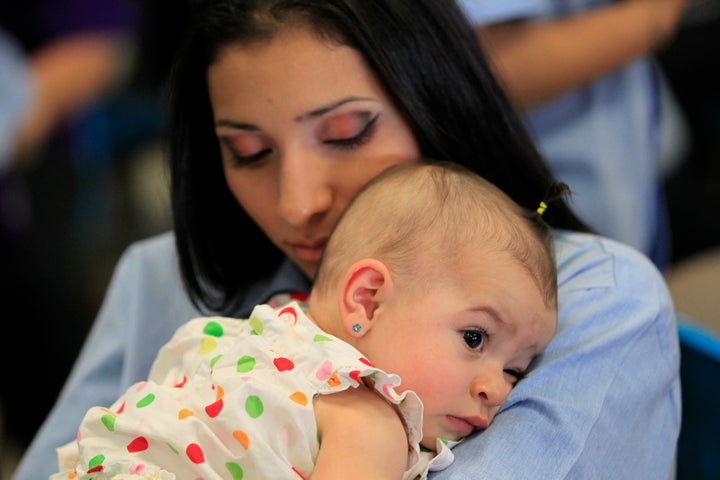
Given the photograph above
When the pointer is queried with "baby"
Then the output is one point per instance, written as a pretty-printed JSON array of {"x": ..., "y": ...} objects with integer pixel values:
[{"x": 434, "y": 295}]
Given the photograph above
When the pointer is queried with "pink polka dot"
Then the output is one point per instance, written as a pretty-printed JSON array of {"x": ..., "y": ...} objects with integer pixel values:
[
  {"x": 387, "y": 389},
  {"x": 325, "y": 370}
]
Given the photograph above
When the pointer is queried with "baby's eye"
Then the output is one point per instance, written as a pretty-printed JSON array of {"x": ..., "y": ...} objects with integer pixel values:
[
  {"x": 516, "y": 375},
  {"x": 475, "y": 339}
]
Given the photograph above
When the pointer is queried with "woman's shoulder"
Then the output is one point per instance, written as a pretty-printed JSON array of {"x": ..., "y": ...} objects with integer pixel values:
[
  {"x": 605, "y": 282},
  {"x": 586, "y": 260},
  {"x": 159, "y": 246},
  {"x": 153, "y": 254},
  {"x": 149, "y": 268}
]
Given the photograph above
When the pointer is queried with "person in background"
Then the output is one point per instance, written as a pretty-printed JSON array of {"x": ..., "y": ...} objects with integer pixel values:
[
  {"x": 67, "y": 55},
  {"x": 458, "y": 347},
  {"x": 595, "y": 100},
  {"x": 280, "y": 112},
  {"x": 58, "y": 59}
]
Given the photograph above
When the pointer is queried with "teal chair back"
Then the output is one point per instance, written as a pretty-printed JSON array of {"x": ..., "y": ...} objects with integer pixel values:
[{"x": 698, "y": 456}]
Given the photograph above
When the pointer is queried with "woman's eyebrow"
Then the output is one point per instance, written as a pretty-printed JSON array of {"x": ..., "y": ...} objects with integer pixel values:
[
  {"x": 236, "y": 125},
  {"x": 323, "y": 110}
]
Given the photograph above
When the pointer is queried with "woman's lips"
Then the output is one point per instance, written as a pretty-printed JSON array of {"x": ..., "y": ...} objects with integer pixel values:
[{"x": 309, "y": 252}]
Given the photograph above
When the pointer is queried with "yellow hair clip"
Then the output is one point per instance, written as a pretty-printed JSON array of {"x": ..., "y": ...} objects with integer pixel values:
[{"x": 541, "y": 209}]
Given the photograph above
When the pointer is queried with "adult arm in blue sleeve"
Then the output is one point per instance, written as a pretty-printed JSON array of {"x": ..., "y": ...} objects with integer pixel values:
[{"x": 144, "y": 305}]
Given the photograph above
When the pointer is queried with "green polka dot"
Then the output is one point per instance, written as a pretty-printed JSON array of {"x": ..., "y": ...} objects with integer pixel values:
[
  {"x": 215, "y": 359},
  {"x": 145, "y": 401},
  {"x": 321, "y": 338},
  {"x": 254, "y": 406},
  {"x": 213, "y": 328},
  {"x": 257, "y": 325},
  {"x": 109, "y": 422},
  {"x": 95, "y": 461},
  {"x": 246, "y": 364},
  {"x": 235, "y": 470}
]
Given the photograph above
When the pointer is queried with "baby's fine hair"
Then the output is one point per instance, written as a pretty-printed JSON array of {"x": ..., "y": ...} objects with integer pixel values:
[{"x": 424, "y": 214}]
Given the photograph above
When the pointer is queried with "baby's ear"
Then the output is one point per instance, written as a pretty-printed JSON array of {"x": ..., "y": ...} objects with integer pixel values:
[{"x": 366, "y": 285}]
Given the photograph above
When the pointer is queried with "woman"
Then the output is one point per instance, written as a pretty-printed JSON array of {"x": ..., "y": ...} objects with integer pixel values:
[{"x": 280, "y": 111}]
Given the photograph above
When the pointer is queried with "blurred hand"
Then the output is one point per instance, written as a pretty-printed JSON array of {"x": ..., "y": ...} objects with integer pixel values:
[
  {"x": 664, "y": 17},
  {"x": 69, "y": 74}
]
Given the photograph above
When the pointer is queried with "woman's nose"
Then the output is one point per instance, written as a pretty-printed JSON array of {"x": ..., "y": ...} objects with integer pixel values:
[
  {"x": 492, "y": 387},
  {"x": 305, "y": 191}
]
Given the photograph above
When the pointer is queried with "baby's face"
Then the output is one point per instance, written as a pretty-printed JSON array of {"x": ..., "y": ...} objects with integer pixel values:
[{"x": 463, "y": 345}]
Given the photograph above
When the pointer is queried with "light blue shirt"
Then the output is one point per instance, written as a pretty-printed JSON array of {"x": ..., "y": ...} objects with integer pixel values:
[
  {"x": 604, "y": 398},
  {"x": 603, "y": 139}
]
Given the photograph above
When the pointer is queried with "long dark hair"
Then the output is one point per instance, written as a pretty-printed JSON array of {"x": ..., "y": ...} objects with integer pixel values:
[{"x": 428, "y": 59}]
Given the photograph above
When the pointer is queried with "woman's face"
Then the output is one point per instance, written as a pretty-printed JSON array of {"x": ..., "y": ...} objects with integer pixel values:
[{"x": 302, "y": 125}]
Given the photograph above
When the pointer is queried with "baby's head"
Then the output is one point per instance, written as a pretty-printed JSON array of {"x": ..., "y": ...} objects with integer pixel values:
[
  {"x": 419, "y": 218},
  {"x": 436, "y": 275}
]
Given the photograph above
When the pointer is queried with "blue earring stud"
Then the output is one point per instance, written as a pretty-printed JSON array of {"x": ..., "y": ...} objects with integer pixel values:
[{"x": 357, "y": 327}]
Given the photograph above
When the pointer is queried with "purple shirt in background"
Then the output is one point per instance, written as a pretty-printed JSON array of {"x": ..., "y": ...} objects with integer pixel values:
[{"x": 34, "y": 22}]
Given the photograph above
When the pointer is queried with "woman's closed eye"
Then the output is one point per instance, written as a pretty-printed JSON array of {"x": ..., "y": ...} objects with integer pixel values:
[
  {"x": 246, "y": 149},
  {"x": 348, "y": 130}
]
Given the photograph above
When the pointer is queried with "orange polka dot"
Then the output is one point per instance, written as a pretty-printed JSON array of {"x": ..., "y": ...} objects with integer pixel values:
[
  {"x": 333, "y": 381},
  {"x": 299, "y": 398},
  {"x": 242, "y": 438},
  {"x": 184, "y": 413}
]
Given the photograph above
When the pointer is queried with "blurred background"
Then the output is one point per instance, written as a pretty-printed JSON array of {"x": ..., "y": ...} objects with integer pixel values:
[
  {"x": 83, "y": 180},
  {"x": 72, "y": 203}
]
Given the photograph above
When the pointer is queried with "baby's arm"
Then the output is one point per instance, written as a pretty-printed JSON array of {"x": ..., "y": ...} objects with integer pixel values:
[{"x": 361, "y": 436}]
